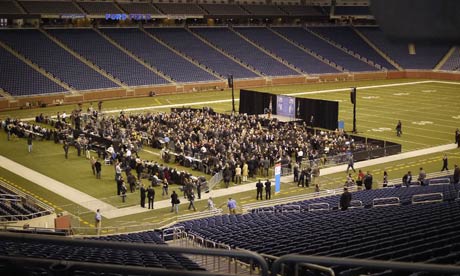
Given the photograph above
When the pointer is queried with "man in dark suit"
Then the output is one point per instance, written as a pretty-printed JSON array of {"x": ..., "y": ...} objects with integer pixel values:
[
  {"x": 368, "y": 181},
  {"x": 268, "y": 189},
  {"x": 259, "y": 187},
  {"x": 150, "y": 196},
  {"x": 407, "y": 179},
  {"x": 142, "y": 191},
  {"x": 456, "y": 174},
  {"x": 345, "y": 199}
]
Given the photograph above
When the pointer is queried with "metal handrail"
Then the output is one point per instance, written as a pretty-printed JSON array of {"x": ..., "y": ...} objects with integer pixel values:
[
  {"x": 242, "y": 254},
  {"x": 326, "y": 207},
  {"x": 373, "y": 264},
  {"x": 291, "y": 209},
  {"x": 442, "y": 181},
  {"x": 440, "y": 199},
  {"x": 270, "y": 209},
  {"x": 27, "y": 197},
  {"x": 375, "y": 201}
]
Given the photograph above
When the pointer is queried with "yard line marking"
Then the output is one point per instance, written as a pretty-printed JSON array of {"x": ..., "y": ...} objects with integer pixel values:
[
  {"x": 362, "y": 87},
  {"x": 446, "y": 82}
]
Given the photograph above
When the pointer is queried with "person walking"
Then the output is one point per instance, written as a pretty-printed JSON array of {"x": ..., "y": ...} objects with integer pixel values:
[
  {"x": 150, "y": 196},
  {"x": 231, "y": 204},
  {"x": 191, "y": 199},
  {"x": 345, "y": 199},
  {"x": 175, "y": 202},
  {"x": 351, "y": 163},
  {"x": 445, "y": 162},
  {"x": 66, "y": 149},
  {"x": 211, "y": 205},
  {"x": 399, "y": 128},
  {"x": 29, "y": 142},
  {"x": 98, "y": 168},
  {"x": 98, "y": 222},
  {"x": 268, "y": 189},
  {"x": 259, "y": 187}
]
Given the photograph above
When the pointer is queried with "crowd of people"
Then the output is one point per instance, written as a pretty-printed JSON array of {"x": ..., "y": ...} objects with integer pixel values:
[{"x": 240, "y": 146}]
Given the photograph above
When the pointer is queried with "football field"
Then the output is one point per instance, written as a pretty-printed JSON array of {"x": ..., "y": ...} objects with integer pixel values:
[{"x": 429, "y": 111}]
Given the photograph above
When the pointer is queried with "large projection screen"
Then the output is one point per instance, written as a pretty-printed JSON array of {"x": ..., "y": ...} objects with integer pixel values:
[{"x": 285, "y": 106}]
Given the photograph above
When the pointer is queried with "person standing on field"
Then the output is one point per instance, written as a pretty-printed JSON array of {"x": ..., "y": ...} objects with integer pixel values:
[
  {"x": 445, "y": 162},
  {"x": 98, "y": 221},
  {"x": 399, "y": 128},
  {"x": 29, "y": 142}
]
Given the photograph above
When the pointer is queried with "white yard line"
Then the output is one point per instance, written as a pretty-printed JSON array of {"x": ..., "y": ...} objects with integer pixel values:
[{"x": 359, "y": 87}]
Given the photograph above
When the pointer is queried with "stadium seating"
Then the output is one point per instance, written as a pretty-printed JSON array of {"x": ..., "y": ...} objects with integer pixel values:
[
  {"x": 107, "y": 56},
  {"x": 352, "y": 10},
  {"x": 280, "y": 47},
  {"x": 14, "y": 72},
  {"x": 193, "y": 47},
  {"x": 321, "y": 47},
  {"x": 138, "y": 8},
  {"x": 159, "y": 56},
  {"x": 367, "y": 196},
  {"x": 347, "y": 37},
  {"x": 244, "y": 51},
  {"x": 176, "y": 8},
  {"x": 101, "y": 255},
  {"x": 399, "y": 233},
  {"x": 453, "y": 62},
  {"x": 14, "y": 208},
  {"x": 38, "y": 48},
  {"x": 8, "y": 7},
  {"x": 223, "y": 9},
  {"x": 99, "y": 7},
  {"x": 50, "y": 7},
  {"x": 427, "y": 55},
  {"x": 263, "y": 10}
]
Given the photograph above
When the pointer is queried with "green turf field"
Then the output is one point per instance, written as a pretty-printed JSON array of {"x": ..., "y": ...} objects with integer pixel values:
[{"x": 429, "y": 111}]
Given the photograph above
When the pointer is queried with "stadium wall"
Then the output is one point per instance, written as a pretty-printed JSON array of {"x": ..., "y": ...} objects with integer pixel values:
[{"x": 86, "y": 96}]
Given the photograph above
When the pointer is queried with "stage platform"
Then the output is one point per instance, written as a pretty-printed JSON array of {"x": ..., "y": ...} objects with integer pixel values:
[{"x": 280, "y": 118}]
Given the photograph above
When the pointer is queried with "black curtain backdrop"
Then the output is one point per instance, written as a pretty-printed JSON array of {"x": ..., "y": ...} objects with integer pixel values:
[
  {"x": 254, "y": 102},
  {"x": 325, "y": 113}
]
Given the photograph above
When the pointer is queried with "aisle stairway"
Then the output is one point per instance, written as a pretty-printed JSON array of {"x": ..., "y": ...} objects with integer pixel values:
[
  {"x": 396, "y": 65},
  {"x": 36, "y": 67},
  {"x": 214, "y": 264}
]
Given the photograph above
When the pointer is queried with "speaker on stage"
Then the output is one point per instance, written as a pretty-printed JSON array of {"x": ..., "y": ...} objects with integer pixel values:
[{"x": 353, "y": 95}]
